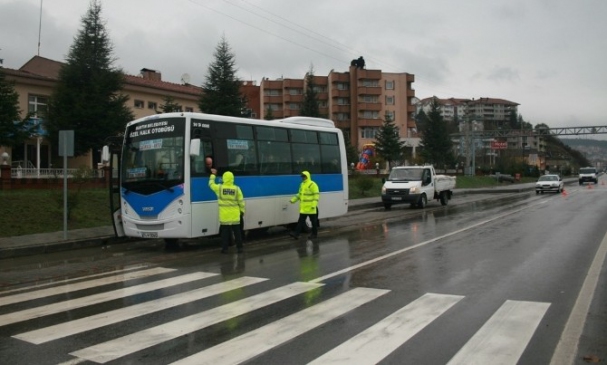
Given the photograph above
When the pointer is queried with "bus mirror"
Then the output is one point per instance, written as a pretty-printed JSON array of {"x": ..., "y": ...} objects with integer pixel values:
[
  {"x": 105, "y": 154},
  {"x": 195, "y": 147}
]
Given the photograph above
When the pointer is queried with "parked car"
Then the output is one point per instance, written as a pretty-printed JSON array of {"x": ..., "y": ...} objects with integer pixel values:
[{"x": 550, "y": 182}]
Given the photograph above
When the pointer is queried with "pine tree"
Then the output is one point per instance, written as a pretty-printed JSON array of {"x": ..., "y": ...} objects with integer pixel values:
[
  {"x": 170, "y": 105},
  {"x": 435, "y": 141},
  {"x": 387, "y": 141},
  {"x": 269, "y": 114},
  {"x": 310, "y": 106},
  {"x": 221, "y": 89},
  {"x": 87, "y": 97},
  {"x": 13, "y": 131}
]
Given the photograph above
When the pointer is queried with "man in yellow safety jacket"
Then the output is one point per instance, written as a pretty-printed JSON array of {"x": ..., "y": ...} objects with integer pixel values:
[
  {"x": 308, "y": 196},
  {"x": 231, "y": 207}
]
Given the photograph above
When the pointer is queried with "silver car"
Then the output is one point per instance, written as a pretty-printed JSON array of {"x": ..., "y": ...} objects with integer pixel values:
[{"x": 551, "y": 182}]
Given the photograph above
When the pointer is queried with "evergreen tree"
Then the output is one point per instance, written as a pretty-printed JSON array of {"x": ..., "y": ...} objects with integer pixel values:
[
  {"x": 310, "y": 106},
  {"x": 269, "y": 114},
  {"x": 221, "y": 89},
  {"x": 352, "y": 155},
  {"x": 387, "y": 141},
  {"x": 170, "y": 105},
  {"x": 435, "y": 141},
  {"x": 87, "y": 97},
  {"x": 13, "y": 131}
]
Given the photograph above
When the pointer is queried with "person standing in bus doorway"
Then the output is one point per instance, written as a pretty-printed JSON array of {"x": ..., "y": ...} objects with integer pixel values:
[
  {"x": 231, "y": 208},
  {"x": 308, "y": 197}
]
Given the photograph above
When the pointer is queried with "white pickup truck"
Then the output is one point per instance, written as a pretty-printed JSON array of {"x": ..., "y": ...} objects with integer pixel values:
[{"x": 416, "y": 185}]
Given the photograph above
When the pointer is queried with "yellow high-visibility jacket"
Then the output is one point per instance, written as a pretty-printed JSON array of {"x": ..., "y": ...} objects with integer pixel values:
[
  {"x": 229, "y": 198},
  {"x": 308, "y": 195}
]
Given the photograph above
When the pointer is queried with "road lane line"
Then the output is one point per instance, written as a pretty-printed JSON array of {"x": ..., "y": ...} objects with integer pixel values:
[
  {"x": 504, "y": 337},
  {"x": 49, "y": 282},
  {"x": 70, "y": 328},
  {"x": 68, "y": 305},
  {"x": 119, "y": 347},
  {"x": 381, "y": 339},
  {"x": 398, "y": 252},
  {"x": 258, "y": 341},
  {"x": 82, "y": 285},
  {"x": 567, "y": 347}
]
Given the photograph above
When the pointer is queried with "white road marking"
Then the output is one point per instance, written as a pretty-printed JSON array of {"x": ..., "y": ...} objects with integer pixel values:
[
  {"x": 81, "y": 285},
  {"x": 68, "y": 305},
  {"x": 398, "y": 252},
  {"x": 50, "y": 282},
  {"x": 503, "y": 338},
  {"x": 119, "y": 347},
  {"x": 566, "y": 350},
  {"x": 274, "y": 334},
  {"x": 381, "y": 339},
  {"x": 122, "y": 314}
]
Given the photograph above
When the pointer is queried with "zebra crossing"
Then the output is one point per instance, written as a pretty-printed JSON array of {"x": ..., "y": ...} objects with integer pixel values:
[{"x": 501, "y": 340}]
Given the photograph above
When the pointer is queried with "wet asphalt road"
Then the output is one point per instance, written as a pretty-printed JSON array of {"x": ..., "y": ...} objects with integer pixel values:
[{"x": 480, "y": 279}]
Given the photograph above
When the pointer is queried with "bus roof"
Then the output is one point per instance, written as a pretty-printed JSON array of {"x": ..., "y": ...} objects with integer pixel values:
[{"x": 316, "y": 122}]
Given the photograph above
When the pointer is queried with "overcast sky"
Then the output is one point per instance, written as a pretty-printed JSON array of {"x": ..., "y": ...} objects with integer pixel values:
[{"x": 549, "y": 56}]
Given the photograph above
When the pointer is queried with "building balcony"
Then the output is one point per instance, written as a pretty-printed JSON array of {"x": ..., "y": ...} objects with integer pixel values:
[
  {"x": 336, "y": 93},
  {"x": 273, "y": 99},
  {"x": 369, "y": 74},
  {"x": 368, "y": 90},
  {"x": 363, "y": 122},
  {"x": 369, "y": 106},
  {"x": 340, "y": 108}
]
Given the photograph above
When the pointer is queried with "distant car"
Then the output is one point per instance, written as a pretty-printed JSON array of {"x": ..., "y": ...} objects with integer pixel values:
[
  {"x": 588, "y": 174},
  {"x": 549, "y": 182}
]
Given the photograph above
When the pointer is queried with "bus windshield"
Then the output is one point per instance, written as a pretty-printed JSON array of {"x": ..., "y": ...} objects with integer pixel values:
[{"x": 153, "y": 156}]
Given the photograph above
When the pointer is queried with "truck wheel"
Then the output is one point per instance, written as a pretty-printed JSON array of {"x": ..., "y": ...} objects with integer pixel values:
[
  {"x": 422, "y": 202},
  {"x": 444, "y": 199},
  {"x": 387, "y": 206}
]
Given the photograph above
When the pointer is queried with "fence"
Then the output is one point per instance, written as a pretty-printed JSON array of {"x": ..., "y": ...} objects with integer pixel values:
[{"x": 33, "y": 178}]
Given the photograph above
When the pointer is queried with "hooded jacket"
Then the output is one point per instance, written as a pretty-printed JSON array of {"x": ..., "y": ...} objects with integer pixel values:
[
  {"x": 308, "y": 195},
  {"x": 229, "y": 198}
]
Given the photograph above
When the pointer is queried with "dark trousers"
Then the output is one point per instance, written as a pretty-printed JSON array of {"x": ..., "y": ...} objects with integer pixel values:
[
  {"x": 226, "y": 235},
  {"x": 301, "y": 222}
]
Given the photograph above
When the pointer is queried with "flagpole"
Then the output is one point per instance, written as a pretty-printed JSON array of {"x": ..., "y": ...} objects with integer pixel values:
[{"x": 39, "y": 27}]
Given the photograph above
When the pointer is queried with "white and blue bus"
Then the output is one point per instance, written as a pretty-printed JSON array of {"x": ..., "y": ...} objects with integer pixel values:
[{"x": 163, "y": 179}]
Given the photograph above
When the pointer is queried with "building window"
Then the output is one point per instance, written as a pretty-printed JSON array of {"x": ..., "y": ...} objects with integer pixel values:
[
  {"x": 389, "y": 85},
  {"x": 342, "y": 86},
  {"x": 271, "y": 92},
  {"x": 369, "y": 114},
  {"x": 391, "y": 114},
  {"x": 189, "y": 109},
  {"x": 368, "y": 132},
  {"x": 138, "y": 104},
  {"x": 369, "y": 83},
  {"x": 343, "y": 116},
  {"x": 369, "y": 99},
  {"x": 389, "y": 100},
  {"x": 38, "y": 105},
  {"x": 343, "y": 101},
  {"x": 322, "y": 103},
  {"x": 294, "y": 106},
  {"x": 152, "y": 105}
]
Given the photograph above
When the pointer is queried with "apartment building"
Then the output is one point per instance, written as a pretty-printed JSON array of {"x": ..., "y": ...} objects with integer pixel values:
[
  {"x": 356, "y": 100},
  {"x": 490, "y": 111},
  {"x": 34, "y": 82}
]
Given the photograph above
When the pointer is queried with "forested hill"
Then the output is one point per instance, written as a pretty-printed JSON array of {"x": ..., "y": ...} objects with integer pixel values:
[{"x": 594, "y": 150}]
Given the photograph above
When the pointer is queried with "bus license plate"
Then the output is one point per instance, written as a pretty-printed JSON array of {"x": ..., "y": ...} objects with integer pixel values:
[{"x": 149, "y": 234}]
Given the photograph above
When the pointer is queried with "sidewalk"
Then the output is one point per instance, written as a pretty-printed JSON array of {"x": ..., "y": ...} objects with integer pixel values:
[{"x": 42, "y": 243}]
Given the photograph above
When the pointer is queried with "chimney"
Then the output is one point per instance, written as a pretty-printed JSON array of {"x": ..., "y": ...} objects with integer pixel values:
[{"x": 149, "y": 74}]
